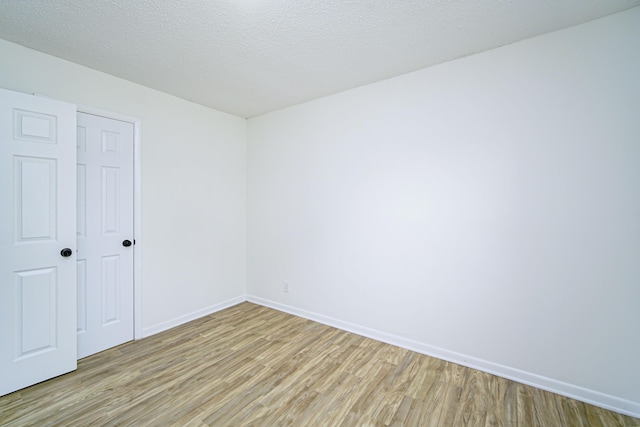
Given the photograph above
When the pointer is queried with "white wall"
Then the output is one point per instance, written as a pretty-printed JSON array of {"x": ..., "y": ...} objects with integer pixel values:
[
  {"x": 486, "y": 210},
  {"x": 193, "y": 183}
]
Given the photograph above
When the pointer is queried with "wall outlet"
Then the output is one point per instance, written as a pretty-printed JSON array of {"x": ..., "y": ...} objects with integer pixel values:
[{"x": 285, "y": 287}]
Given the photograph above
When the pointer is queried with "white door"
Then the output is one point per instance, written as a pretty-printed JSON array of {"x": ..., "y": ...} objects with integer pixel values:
[
  {"x": 37, "y": 240},
  {"x": 105, "y": 233}
]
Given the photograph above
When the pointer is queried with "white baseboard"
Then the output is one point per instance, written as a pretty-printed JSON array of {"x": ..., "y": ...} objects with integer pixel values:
[
  {"x": 152, "y": 330},
  {"x": 592, "y": 397}
]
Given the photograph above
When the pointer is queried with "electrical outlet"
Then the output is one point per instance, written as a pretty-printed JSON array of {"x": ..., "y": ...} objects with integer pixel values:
[{"x": 285, "y": 287}]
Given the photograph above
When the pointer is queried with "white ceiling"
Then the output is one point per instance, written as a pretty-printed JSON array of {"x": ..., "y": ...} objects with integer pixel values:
[{"x": 249, "y": 57}]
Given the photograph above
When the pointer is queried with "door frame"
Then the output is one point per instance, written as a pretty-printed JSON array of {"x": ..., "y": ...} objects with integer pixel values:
[{"x": 137, "y": 207}]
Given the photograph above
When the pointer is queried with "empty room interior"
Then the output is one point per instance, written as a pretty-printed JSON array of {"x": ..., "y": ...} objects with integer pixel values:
[{"x": 341, "y": 213}]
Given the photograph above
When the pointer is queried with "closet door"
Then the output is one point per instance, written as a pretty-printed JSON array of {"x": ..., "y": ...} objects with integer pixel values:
[
  {"x": 37, "y": 239},
  {"x": 105, "y": 233}
]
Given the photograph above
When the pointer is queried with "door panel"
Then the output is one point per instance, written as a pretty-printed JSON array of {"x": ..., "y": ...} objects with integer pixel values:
[
  {"x": 36, "y": 310},
  {"x": 105, "y": 220},
  {"x": 38, "y": 217},
  {"x": 110, "y": 200},
  {"x": 35, "y": 189},
  {"x": 82, "y": 296},
  {"x": 111, "y": 285}
]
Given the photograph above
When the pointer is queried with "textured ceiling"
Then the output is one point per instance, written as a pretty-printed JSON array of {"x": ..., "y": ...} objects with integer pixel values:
[{"x": 249, "y": 57}]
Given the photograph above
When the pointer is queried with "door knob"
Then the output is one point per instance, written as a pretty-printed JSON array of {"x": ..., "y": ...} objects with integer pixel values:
[
  {"x": 126, "y": 243},
  {"x": 66, "y": 252}
]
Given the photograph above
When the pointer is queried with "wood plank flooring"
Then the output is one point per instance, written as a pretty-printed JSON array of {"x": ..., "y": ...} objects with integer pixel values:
[{"x": 252, "y": 366}]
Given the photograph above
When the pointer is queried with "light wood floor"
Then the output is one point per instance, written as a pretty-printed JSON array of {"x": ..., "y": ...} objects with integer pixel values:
[{"x": 253, "y": 366}]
